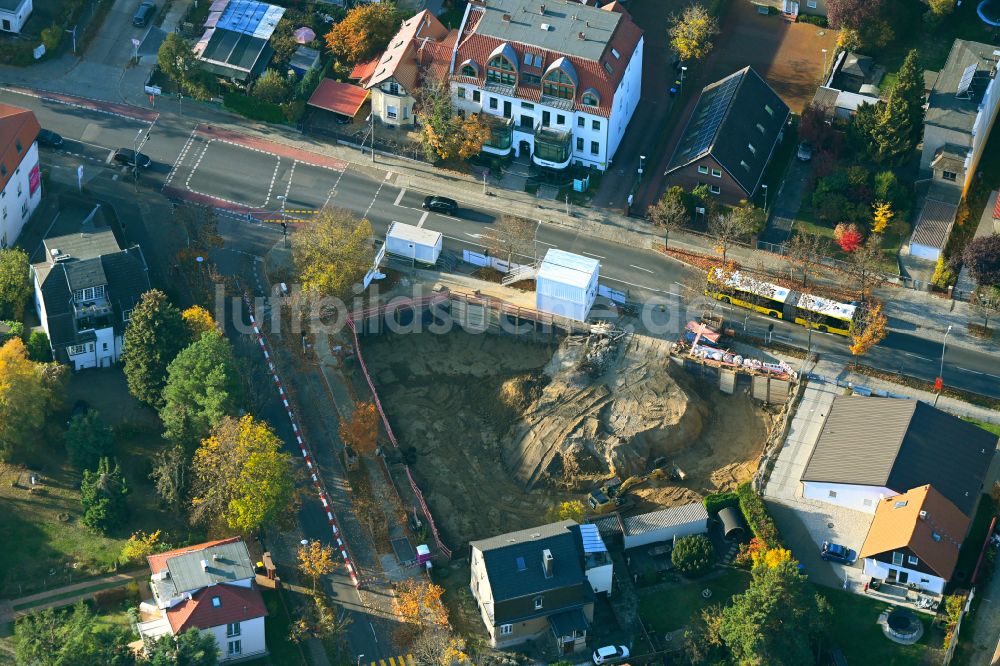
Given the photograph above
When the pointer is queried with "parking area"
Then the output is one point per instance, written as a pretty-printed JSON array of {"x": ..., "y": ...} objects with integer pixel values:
[{"x": 805, "y": 524}]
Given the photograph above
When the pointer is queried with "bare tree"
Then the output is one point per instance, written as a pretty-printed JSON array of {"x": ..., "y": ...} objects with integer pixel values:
[
  {"x": 807, "y": 250},
  {"x": 986, "y": 303},
  {"x": 169, "y": 476},
  {"x": 512, "y": 236},
  {"x": 670, "y": 213},
  {"x": 726, "y": 228},
  {"x": 866, "y": 266}
]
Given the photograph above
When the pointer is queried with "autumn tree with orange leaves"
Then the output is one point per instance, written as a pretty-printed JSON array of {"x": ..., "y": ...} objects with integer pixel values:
[
  {"x": 868, "y": 329},
  {"x": 363, "y": 32},
  {"x": 361, "y": 431},
  {"x": 418, "y": 606}
]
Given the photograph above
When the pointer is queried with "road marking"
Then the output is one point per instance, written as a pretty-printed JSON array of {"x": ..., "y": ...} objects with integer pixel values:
[
  {"x": 544, "y": 243},
  {"x": 640, "y": 268},
  {"x": 472, "y": 235},
  {"x": 399, "y": 197},
  {"x": 274, "y": 177},
  {"x": 40, "y": 95},
  {"x": 591, "y": 254},
  {"x": 377, "y": 192},
  {"x": 922, "y": 358},
  {"x": 180, "y": 158},
  {"x": 423, "y": 218}
]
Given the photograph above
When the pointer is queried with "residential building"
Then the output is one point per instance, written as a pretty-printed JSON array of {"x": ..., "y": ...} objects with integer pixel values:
[
  {"x": 853, "y": 81},
  {"x": 209, "y": 587},
  {"x": 791, "y": 9},
  {"x": 235, "y": 44},
  {"x": 729, "y": 138},
  {"x": 557, "y": 81},
  {"x": 664, "y": 525},
  {"x": 540, "y": 581},
  {"x": 419, "y": 51},
  {"x": 915, "y": 539},
  {"x": 85, "y": 291},
  {"x": 961, "y": 109},
  {"x": 20, "y": 181},
  {"x": 871, "y": 449},
  {"x": 14, "y": 14},
  {"x": 935, "y": 221}
]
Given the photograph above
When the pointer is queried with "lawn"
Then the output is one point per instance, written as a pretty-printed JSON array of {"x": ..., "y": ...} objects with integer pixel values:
[
  {"x": 855, "y": 632},
  {"x": 282, "y": 651},
  {"x": 675, "y": 607},
  {"x": 973, "y": 544},
  {"x": 989, "y": 427}
]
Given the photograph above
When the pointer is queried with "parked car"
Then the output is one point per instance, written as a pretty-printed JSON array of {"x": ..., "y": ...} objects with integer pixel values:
[
  {"x": 610, "y": 654},
  {"x": 441, "y": 205},
  {"x": 805, "y": 151},
  {"x": 145, "y": 12},
  {"x": 129, "y": 157},
  {"x": 834, "y": 552},
  {"x": 49, "y": 138}
]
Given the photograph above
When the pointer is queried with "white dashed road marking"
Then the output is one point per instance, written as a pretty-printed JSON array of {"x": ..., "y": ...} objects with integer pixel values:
[
  {"x": 423, "y": 218},
  {"x": 640, "y": 268}
]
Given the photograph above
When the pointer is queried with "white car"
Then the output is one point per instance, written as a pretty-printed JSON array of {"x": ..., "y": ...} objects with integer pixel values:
[{"x": 610, "y": 654}]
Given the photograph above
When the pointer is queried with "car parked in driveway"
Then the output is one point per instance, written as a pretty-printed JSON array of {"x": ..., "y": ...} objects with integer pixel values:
[
  {"x": 49, "y": 138},
  {"x": 129, "y": 157},
  {"x": 805, "y": 152},
  {"x": 834, "y": 552},
  {"x": 440, "y": 205},
  {"x": 610, "y": 654}
]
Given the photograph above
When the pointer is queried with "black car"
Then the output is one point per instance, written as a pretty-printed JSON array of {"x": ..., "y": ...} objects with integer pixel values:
[
  {"x": 441, "y": 205},
  {"x": 49, "y": 138},
  {"x": 129, "y": 157},
  {"x": 834, "y": 552},
  {"x": 143, "y": 14}
]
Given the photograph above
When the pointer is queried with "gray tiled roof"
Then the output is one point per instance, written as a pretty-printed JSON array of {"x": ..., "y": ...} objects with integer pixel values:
[
  {"x": 671, "y": 517},
  {"x": 934, "y": 224},
  {"x": 226, "y": 563},
  {"x": 514, "y": 560},
  {"x": 902, "y": 444},
  {"x": 84, "y": 273},
  {"x": 945, "y": 107}
]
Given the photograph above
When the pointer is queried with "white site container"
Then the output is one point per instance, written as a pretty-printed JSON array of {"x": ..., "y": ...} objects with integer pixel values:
[
  {"x": 566, "y": 284},
  {"x": 421, "y": 246}
]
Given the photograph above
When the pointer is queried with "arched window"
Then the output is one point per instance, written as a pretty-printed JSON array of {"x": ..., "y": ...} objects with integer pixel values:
[
  {"x": 590, "y": 97},
  {"x": 558, "y": 84},
  {"x": 470, "y": 68},
  {"x": 501, "y": 70}
]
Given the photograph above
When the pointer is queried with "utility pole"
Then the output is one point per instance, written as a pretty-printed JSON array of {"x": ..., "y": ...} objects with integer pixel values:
[
  {"x": 372, "y": 116},
  {"x": 73, "y": 34},
  {"x": 940, "y": 377}
]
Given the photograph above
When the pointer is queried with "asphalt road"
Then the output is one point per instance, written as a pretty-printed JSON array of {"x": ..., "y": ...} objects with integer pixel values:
[{"x": 266, "y": 181}]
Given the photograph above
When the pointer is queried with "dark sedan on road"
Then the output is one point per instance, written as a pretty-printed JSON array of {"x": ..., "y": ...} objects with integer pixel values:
[
  {"x": 834, "y": 552},
  {"x": 49, "y": 138},
  {"x": 129, "y": 157},
  {"x": 441, "y": 205}
]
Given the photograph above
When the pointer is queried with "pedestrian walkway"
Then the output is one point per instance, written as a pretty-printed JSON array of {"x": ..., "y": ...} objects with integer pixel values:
[
  {"x": 58, "y": 597},
  {"x": 395, "y": 661}
]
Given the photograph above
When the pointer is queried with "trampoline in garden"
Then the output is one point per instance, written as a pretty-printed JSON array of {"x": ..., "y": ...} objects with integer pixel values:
[
  {"x": 989, "y": 12},
  {"x": 903, "y": 626}
]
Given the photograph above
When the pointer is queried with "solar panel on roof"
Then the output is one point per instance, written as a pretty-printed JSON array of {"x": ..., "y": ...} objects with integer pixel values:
[
  {"x": 705, "y": 125},
  {"x": 967, "y": 76}
]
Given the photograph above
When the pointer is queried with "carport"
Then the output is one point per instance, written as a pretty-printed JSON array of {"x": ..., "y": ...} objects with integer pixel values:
[{"x": 342, "y": 99}]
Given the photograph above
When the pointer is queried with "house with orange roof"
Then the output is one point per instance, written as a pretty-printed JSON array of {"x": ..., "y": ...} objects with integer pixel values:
[
  {"x": 20, "y": 179},
  {"x": 209, "y": 587}
]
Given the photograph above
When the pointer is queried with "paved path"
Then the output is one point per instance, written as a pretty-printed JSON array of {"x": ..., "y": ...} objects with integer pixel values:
[{"x": 86, "y": 591}]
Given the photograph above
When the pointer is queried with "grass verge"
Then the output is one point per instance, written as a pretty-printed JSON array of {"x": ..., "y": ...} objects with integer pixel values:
[{"x": 675, "y": 607}]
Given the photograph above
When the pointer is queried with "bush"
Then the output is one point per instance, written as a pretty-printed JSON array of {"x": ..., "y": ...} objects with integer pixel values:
[
  {"x": 38, "y": 346},
  {"x": 294, "y": 110},
  {"x": 757, "y": 517},
  {"x": 271, "y": 87},
  {"x": 51, "y": 37},
  {"x": 943, "y": 275},
  {"x": 718, "y": 501},
  {"x": 10, "y": 329},
  {"x": 693, "y": 555},
  {"x": 252, "y": 108}
]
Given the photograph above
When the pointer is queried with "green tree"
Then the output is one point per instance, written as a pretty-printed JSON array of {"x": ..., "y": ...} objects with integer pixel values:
[
  {"x": 889, "y": 130},
  {"x": 176, "y": 59},
  {"x": 154, "y": 336},
  {"x": 670, "y": 213},
  {"x": 39, "y": 349},
  {"x": 272, "y": 87},
  {"x": 88, "y": 439},
  {"x": 203, "y": 386},
  {"x": 569, "y": 510},
  {"x": 332, "y": 253},
  {"x": 189, "y": 648},
  {"x": 242, "y": 478},
  {"x": 777, "y": 619},
  {"x": 69, "y": 637},
  {"x": 693, "y": 555},
  {"x": 29, "y": 391},
  {"x": 170, "y": 476},
  {"x": 364, "y": 31},
  {"x": 15, "y": 283},
  {"x": 103, "y": 495},
  {"x": 691, "y": 32},
  {"x": 751, "y": 217}
]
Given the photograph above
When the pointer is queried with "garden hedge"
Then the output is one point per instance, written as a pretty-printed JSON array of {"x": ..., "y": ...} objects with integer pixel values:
[{"x": 757, "y": 517}]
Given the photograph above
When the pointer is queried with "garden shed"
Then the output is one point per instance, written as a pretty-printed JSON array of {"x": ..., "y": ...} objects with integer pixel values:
[
  {"x": 566, "y": 284},
  {"x": 733, "y": 527},
  {"x": 665, "y": 525}
]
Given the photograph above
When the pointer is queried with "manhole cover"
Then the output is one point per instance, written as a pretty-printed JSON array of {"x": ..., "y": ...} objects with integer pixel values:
[
  {"x": 830, "y": 525},
  {"x": 821, "y": 33}
]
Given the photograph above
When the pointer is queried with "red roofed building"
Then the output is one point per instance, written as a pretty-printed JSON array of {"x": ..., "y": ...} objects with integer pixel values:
[
  {"x": 209, "y": 587},
  {"x": 560, "y": 79},
  {"x": 20, "y": 180}
]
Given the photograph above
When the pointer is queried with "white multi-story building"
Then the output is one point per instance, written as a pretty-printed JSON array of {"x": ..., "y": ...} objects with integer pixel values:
[
  {"x": 556, "y": 79},
  {"x": 20, "y": 179}
]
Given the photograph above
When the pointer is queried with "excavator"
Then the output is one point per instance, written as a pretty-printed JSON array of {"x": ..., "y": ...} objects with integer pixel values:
[{"x": 612, "y": 495}]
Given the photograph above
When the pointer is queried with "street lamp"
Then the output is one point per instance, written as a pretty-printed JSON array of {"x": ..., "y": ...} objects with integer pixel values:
[
  {"x": 764, "y": 187},
  {"x": 642, "y": 159},
  {"x": 360, "y": 656},
  {"x": 944, "y": 346},
  {"x": 823, "y": 73}
]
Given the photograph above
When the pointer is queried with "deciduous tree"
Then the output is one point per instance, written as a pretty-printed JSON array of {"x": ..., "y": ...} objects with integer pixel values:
[
  {"x": 318, "y": 620},
  {"x": 155, "y": 334},
  {"x": 726, "y": 228},
  {"x": 691, "y": 32},
  {"x": 865, "y": 265},
  {"x": 419, "y": 602},
  {"x": 333, "y": 252},
  {"x": 438, "y": 646},
  {"x": 139, "y": 546},
  {"x": 868, "y": 329},
  {"x": 361, "y": 430},
  {"x": 15, "y": 283},
  {"x": 363, "y": 32},
  {"x": 176, "y": 59},
  {"x": 88, "y": 439},
  {"x": 28, "y": 393},
  {"x": 203, "y": 386},
  {"x": 881, "y": 217},
  {"x": 243, "y": 479},
  {"x": 512, "y": 237},
  {"x": 39, "y": 349},
  {"x": 982, "y": 257},
  {"x": 670, "y": 212},
  {"x": 568, "y": 510},
  {"x": 103, "y": 494},
  {"x": 847, "y": 236},
  {"x": 986, "y": 303},
  {"x": 272, "y": 87},
  {"x": 199, "y": 320},
  {"x": 852, "y": 14},
  {"x": 189, "y": 648},
  {"x": 806, "y": 250},
  {"x": 316, "y": 561},
  {"x": 70, "y": 637},
  {"x": 201, "y": 227},
  {"x": 445, "y": 135}
]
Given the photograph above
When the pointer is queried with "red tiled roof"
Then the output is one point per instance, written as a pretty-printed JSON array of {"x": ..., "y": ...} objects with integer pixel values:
[
  {"x": 591, "y": 73},
  {"x": 399, "y": 61},
  {"x": 342, "y": 98},
  {"x": 236, "y": 604},
  {"x": 996, "y": 209},
  {"x": 363, "y": 71},
  {"x": 16, "y": 125},
  {"x": 158, "y": 562}
]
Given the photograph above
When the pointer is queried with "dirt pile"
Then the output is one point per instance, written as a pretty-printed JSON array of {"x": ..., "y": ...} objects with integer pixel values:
[{"x": 606, "y": 409}]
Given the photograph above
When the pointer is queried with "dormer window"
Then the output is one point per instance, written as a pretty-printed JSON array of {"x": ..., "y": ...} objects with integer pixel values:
[
  {"x": 590, "y": 97},
  {"x": 615, "y": 53},
  {"x": 561, "y": 80},
  {"x": 470, "y": 68},
  {"x": 769, "y": 110},
  {"x": 608, "y": 68},
  {"x": 501, "y": 69}
]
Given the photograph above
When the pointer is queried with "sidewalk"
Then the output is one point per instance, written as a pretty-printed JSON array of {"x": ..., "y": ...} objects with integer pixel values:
[{"x": 87, "y": 589}]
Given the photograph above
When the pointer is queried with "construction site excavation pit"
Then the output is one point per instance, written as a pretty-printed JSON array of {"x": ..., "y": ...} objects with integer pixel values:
[{"x": 498, "y": 429}]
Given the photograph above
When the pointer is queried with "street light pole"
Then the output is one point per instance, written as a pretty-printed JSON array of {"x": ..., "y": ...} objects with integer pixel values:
[
  {"x": 360, "y": 656},
  {"x": 683, "y": 69},
  {"x": 944, "y": 347},
  {"x": 764, "y": 186},
  {"x": 824, "y": 63},
  {"x": 372, "y": 116}
]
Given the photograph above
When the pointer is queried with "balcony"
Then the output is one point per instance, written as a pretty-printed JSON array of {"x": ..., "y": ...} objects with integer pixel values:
[
  {"x": 501, "y": 134},
  {"x": 553, "y": 148}
]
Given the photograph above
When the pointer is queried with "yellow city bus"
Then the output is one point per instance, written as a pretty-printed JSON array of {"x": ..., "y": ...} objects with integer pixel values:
[{"x": 773, "y": 300}]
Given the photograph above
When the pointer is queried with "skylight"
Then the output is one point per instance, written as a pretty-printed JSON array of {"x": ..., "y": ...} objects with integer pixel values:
[
  {"x": 216, "y": 602},
  {"x": 900, "y": 505},
  {"x": 521, "y": 566}
]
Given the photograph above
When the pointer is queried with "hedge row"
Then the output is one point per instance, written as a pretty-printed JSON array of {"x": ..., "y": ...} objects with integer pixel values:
[
  {"x": 718, "y": 501},
  {"x": 757, "y": 517},
  {"x": 254, "y": 109}
]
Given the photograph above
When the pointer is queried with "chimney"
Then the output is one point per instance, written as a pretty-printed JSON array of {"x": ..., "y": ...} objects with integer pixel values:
[
  {"x": 543, "y": 10},
  {"x": 506, "y": 18},
  {"x": 204, "y": 565},
  {"x": 923, "y": 515},
  {"x": 547, "y": 562},
  {"x": 582, "y": 35}
]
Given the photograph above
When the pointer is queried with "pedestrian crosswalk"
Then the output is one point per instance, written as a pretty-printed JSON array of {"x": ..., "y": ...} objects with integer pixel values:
[{"x": 395, "y": 661}]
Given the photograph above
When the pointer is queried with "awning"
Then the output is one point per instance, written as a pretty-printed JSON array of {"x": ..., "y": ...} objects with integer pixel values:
[
  {"x": 343, "y": 98},
  {"x": 568, "y": 622}
]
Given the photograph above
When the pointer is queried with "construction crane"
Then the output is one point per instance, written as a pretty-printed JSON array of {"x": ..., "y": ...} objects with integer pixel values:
[{"x": 612, "y": 496}]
